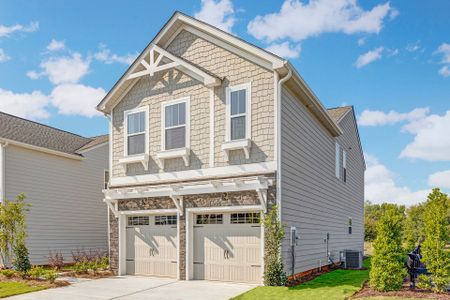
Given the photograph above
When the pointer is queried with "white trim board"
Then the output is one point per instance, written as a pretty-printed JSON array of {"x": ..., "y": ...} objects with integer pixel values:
[{"x": 199, "y": 174}]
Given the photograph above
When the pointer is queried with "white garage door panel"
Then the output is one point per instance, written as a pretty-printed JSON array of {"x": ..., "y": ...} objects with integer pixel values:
[
  {"x": 227, "y": 252},
  {"x": 152, "y": 250}
]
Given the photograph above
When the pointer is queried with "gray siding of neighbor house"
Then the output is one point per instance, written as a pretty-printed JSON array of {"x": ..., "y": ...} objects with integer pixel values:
[
  {"x": 313, "y": 199},
  {"x": 67, "y": 210}
]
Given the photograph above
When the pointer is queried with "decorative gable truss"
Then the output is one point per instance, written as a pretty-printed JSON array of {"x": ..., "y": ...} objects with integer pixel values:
[{"x": 156, "y": 59}]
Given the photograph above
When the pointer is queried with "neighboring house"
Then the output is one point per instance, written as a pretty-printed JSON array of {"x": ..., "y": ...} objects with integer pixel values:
[
  {"x": 207, "y": 132},
  {"x": 62, "y": 176}
]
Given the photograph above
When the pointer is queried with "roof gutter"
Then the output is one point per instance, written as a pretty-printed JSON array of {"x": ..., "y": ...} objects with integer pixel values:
[
  {"x": 329, "y": 123},
  {"x": 41, "y": 149}
]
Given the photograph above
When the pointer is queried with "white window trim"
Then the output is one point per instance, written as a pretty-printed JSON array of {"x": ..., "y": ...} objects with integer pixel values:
[
  {"x": 183, "y": 152},
  {"x": 245, "y": 143},
  {"x": 337, "y": 160},
  {"x": 136, "y": 158}
]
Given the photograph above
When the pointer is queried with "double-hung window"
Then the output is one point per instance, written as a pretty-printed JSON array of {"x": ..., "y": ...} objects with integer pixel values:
[
  {"x": 136, "y": 132},
  {"x": 175, "y": 125},
  {"x": 344, "y": 165},
  {"x": 239, "y": 118}
]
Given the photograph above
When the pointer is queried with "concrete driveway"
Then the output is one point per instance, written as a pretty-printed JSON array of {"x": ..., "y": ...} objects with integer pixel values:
[{"x": 136, "y": 288}]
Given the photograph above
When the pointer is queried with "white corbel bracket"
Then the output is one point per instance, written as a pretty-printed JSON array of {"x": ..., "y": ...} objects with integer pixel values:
[
  {"x": 245, "y": 145},
  {"x": 262, "y": 195},
  {"x": 112, "y": 206},
  {"x": 178, "y": 200}
]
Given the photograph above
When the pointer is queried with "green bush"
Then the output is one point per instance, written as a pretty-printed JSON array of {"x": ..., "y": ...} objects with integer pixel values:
[
  {"x": 274, "y": 274},
  {"x": 388, "y": 271},
  {"x": 423, "y": 282},
  {"x": 21, "y": 261},
  {"x": 436, "y": 258},
  {"x": 8, "y": 273},
  {"x": 50, "y": 275},
  {"x": 37, "y": 272}
]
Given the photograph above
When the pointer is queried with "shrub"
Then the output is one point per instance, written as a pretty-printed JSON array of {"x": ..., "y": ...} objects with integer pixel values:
[
  {"x": 55, "y": 260},
  {"x": 436, "y": 258},
  {"x": 50, "y": 275},
  {"x": 274, "y": 274},
  {"x": 387, "y": 271},
  {"x": 8, "y": 273},
  {"x": 423, "y": 282},
  {"x": 37, "y": 272},
  {"x": 21, "y": 261}
]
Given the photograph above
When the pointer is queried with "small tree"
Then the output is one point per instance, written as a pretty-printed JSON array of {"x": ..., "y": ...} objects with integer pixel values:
[
  {"x": 414, "y": 227},
  {"x": 436, "y": 223},
  {"x": 387, "y": 271},
  {"x": 21, "y": 260},
  {"x": 12, "y": 225},
  {"x": 274, "y": 274}
]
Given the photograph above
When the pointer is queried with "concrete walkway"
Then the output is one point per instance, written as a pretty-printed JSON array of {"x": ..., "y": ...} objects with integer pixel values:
[{"x": 136, "y": 288}]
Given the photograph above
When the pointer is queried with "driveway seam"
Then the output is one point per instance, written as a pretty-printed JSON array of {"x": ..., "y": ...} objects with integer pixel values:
[{"x": 144, "y": 290}]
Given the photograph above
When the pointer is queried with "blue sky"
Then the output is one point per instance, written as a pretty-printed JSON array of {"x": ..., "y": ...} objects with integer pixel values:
[{"x": 390, "y": 59}]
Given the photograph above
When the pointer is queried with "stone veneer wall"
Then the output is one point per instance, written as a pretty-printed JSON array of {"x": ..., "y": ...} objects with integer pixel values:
[{"x": 199, "y": 200}]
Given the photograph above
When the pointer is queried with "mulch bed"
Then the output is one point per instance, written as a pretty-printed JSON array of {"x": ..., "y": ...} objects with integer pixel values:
[
  {"x": 35, "y": 282},
  {"x": 405, "y": 292},
  {"x": 312, "y": 275},
  {"x": 89, "y": 275}
]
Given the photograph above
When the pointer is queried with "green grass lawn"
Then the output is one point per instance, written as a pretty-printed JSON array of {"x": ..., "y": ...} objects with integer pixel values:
[
  {"x": 11, "y": 288},
  {"x": 335, "y": 285}
]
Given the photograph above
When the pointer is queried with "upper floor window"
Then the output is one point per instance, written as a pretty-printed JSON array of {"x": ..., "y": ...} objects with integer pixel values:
[
  {"x": 136, "y": 131},
  {"x": 350, "y": 225},
  {"x": 175, "y": 119},
  {"x": 344, "y": 165},
  {"x": 238, "y": 112},
  {"x": 338, "y": 161},
  {"x": 105, "y": 179}
]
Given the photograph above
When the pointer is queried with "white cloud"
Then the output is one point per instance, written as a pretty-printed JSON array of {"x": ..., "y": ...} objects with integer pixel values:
[
  {"x": 380, "y": 186},
  {"x": 59, "y": 70},
  {"x": 432, "y": 139},
  {"x": 26, "y": 105},
  {"x": 392, "y": 52},
  {"x": 413, "y": 47},
  {"x": 368, "y": 57},
  {"x": 285, "y": 50},
  {"x": 361, "y": 41},
  {"x": 217, "y": 13},
  {"x": 377, "y": 117},
  {"x": 444, "y": 71},
  {"x": 77, "y": 99},
  {"x": 105, "y": 55},
  {"x": 440, "y": 179},
  {"x": 56, "y": 45},
  {"x": 8, "y": 30},
  {"x": 444, "y": 49},
  {"x": 297, "y": 20},
  {"x": 393, "y": 14},
  {"x": 3, "y": 56}
]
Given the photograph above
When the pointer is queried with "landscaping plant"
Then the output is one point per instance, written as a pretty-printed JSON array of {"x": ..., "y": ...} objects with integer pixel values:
[
  {"x": 8, "y": 273},
  {"x": 436, "y": 221},
  {"x": 414, "y": 227},
  {"x": 388, "y": 271},
  {"x": 37, "y": 272},
  {"x": 55, "y": 260},
  {"x": 21, "y": 262},
  {"x": 274, "y": 274},
  {"x": 13, "y": 228}
]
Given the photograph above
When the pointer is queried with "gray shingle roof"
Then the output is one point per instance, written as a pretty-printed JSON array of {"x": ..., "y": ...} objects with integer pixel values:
[
  {"x": 40, "y": 135},
  {"x": 337, "y": 113}
]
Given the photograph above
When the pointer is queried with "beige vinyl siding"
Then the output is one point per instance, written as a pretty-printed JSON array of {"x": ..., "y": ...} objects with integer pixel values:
[
  {"x": 313, "y": 199},
  {"x": 67, "y": 210}
]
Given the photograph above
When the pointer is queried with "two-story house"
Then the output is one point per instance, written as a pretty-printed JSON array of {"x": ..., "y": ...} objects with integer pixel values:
[
  {"x": 62, "y": 175},
  {"x": 208, "y": 132}
]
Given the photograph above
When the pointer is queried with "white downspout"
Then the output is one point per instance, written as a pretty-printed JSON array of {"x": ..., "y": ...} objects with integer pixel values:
[{"x": 278, "y": 133}]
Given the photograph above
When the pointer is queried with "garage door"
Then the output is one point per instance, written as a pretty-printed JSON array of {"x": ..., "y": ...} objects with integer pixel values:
[
  {"x": 152, "y": 245},
  {"x": 227, "y": 247}
]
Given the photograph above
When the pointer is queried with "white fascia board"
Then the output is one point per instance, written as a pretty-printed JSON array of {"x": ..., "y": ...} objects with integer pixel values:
[
  {"x": 225, "y": 209},
  {"x": 41, "y": 149},
  {"x": 93, "y": 148},
  {"x": 149, "y": 212},
  {"x": 199, "y": 174}
]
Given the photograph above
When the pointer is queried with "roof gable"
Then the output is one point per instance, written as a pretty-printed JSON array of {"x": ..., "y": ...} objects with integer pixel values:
[{"x": 155, "y": 58}]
